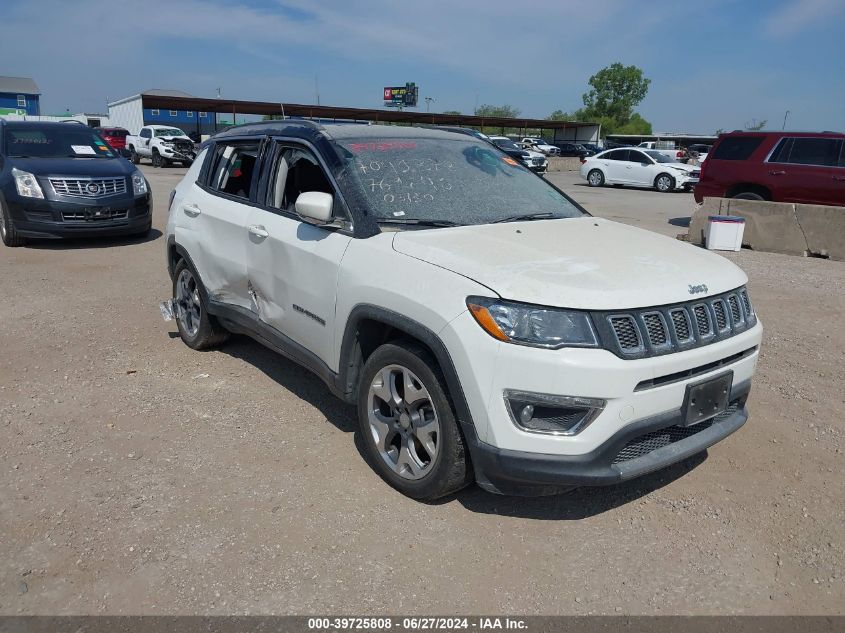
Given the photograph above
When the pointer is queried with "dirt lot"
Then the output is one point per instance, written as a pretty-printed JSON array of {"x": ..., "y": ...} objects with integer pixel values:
[{"x": 138, "y": 476}]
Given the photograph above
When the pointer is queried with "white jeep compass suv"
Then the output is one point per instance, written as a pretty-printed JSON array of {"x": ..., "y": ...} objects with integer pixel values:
[{"x": 485, "y": 325}]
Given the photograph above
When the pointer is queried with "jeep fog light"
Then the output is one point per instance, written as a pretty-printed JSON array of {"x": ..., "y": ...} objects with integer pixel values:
[{"x": 551, "y": 414}]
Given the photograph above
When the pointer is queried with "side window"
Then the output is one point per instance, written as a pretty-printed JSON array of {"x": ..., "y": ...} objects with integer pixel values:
[
  {"x": 638, "y": 157},
  {"x": 233, "y": 169},
  {"x": 737, "y": 147},
  {"x": 842, "y": 155},
  {"x": 814, "y": 151},
  {"x": 781, "y": 152},
  {"x": 617, "y": 154},
  {"x": 145, "y": 133},
  {"x": 296, "y": 171}
]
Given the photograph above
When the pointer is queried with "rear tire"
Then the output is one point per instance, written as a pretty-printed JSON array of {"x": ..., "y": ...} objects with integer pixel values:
[
  {"x": 595, "y": 178},
  {"x": 409, "y": 430},
  {"x": 8, "y": 234},
  {"x": 136, "y": 160},
  {"x": 198, "y": 329}
]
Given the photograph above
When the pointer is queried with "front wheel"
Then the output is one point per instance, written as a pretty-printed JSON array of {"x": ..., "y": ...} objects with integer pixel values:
[
  {"x": 595, "y": 178},
  {"x": 407, "y": 423},
  {"x": 8, "y": 234},
  {"x": 156, "y": 158},
  {"x": 664, "y": 183}
]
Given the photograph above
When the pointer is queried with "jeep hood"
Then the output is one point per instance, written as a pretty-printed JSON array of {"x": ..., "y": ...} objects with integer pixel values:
[{"x": 586, "y": 263}]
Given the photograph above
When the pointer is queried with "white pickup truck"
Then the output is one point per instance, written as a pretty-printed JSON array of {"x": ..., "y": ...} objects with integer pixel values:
[
  {"x": 667, "y": 148},
  {"x": 162, "y": 144}
]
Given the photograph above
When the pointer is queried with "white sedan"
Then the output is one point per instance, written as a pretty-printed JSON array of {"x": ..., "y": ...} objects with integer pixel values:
[{"x": 638, "y": 168}]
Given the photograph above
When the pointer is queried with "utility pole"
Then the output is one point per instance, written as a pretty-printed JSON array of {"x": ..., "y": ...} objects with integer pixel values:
[
  {"x": 317, "y": 88},
  {"x": 428, "y": 101},
  {"x": 783, "y": 127}
]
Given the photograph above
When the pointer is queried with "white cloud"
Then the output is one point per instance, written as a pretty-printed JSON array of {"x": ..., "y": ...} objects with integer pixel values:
[{"x": 798, "y": 15}]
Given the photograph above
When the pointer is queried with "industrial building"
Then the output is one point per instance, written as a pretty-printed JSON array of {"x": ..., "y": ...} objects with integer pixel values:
[
  {"x": 135, "y": 112},
  {"x": 19, "y": 96}
]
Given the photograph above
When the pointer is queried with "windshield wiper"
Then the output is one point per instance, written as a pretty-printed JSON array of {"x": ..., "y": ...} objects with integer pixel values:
[
  {"x": 526, "y": 217},
  {"x": 418, "y": 222}
]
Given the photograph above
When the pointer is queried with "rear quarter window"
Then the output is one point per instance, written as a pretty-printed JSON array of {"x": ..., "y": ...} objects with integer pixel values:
[{"x": 737, "y": 147}]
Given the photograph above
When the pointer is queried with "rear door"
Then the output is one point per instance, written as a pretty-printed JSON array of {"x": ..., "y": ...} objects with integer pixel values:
[
  {"x": 805, "y": 170},
  {"x": 293, "y": 265},
  {"x": 211, "y": 221}
]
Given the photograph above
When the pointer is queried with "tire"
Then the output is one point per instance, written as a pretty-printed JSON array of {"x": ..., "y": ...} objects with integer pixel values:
[
  {"x": 198, "y": 329},
  {"x": 747, "y": 195},
  {"x": 595, "y": 178},
  {"x": 187, "y": 163},
  {"x": 664, "y": 183},
  {"x": 144, "y": 232},
  {"x": 136, "y": 160},
  {"x": 8, "y": 234},
  {"x": 156, "y": 158},
  {"x": 422, "y": 452}
]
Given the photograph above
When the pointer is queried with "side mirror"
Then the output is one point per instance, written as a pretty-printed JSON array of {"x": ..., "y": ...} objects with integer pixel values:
[
  {"x": 125, "y": 152},
  {"x": 314, "y": 207}
]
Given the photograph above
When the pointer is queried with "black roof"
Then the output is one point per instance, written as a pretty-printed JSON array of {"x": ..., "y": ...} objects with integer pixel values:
[
  {"x": 306, "y": 128},
  {"x": 41, "y": 124}
]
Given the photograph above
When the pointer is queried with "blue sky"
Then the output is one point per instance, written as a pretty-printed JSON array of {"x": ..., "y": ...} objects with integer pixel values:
[{"x": 713, "y": 63}]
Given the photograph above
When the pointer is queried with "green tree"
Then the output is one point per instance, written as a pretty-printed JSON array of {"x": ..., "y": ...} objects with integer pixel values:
[
  {"x": 505, "y": 111},
  {"x": 615, "y": 91},
  {"x": 560, "y": 115},
  {"x": 754, "y": 125},
  {"x": 272, "y": 117},
  {"x": 635, "y": 125}
]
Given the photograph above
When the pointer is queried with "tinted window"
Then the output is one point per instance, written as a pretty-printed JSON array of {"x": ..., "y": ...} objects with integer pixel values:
[
  {"x": 814, "y": 151},
  {"x": 639, "y": 157},
  {"x": 56, "y": 141},
  {"x": 145, "y": 133},
  {"x": 737, "y": 147},
  {"x": 619, "y": 154},
  {"x": 460, "y": 180},
  {"x": 234, "y": 166},
  {"x": 781, "y": 152},
  {"x": 842, "y": 156}
]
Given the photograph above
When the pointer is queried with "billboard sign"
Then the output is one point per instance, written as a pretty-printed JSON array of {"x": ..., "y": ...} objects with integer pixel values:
[{"x": 401, "y": 96}]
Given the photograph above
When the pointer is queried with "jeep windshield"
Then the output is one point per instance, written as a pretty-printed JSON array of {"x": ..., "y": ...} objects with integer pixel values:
[
  {"x": 440, "y": 181},
  {"x": 67, "y": 140},
  {"x": 170, "y": 132}
]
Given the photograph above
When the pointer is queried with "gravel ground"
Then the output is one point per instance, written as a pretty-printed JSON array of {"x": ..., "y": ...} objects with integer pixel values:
[{"x": 140, "y": 477}]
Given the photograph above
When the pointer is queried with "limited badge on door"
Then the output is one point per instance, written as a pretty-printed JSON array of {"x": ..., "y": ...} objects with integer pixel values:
[{"x": 707, "y": 399}]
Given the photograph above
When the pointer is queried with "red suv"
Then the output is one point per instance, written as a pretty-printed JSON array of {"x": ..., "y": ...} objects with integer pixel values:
[
  {"x": 114, "y": 136},
  {"x": 779, "y": 166}
]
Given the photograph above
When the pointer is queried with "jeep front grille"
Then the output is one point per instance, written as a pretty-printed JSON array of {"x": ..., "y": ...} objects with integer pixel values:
[{"x": 666, "y": 329}]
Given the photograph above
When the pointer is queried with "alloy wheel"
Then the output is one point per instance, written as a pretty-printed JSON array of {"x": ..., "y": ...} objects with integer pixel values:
[
  {"x": 403, "y": 421},
  {"x": 188, "y": 303},
  {"x": 664, "y": 183}
]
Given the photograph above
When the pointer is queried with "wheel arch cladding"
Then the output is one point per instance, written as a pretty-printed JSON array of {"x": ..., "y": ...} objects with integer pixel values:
[{"x": 370, "y": 326}]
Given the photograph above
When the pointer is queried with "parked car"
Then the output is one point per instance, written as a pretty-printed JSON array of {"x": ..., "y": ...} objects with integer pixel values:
[
  {"x": 639, "y": 168},
  {"x": 485, "y": 326},
  {"x": 535, "y": 161},
  {"x": 698, "y": 152},
  {"x": 114, "y": 136},
  {"x": 667, "y": 148},
  {"x": 779, "y": 166},
  {"x": 59, "y": 180},
  {"x": 573, "y": 149},
  {"x": 163, "y": 145},
  {"x": 540, "y": 145},
  {"x": 592, "y": 148}
]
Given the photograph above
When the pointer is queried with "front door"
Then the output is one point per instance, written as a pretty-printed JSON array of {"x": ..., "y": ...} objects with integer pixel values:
[{"x": 293, "y": 266}]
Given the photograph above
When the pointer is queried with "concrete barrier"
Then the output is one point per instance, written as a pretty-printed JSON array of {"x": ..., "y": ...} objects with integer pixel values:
[
  {"x": 778, "y": 227},
  {"x": 566, "y": 163}
]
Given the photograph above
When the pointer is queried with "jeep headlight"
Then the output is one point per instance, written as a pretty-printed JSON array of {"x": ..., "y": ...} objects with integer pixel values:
[
  {"x": 26, "y": 184},
  {"x": 536, "y": 326},
  {"x": 139, "y": 183}
]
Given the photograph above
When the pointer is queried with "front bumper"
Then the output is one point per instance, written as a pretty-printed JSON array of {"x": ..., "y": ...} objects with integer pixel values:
[
  {"x": 707, "y": 190},
  {"x": 519, "y": 473},
  {"x": 50, "y": 219},
  {"x": 171, "y": 153}
]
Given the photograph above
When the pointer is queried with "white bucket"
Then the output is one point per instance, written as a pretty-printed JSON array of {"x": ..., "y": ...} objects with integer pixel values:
[{"x": 724, "y": 232}]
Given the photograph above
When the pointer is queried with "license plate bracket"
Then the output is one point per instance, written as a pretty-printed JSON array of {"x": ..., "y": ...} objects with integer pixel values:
[{"x": 706, "y": 399}]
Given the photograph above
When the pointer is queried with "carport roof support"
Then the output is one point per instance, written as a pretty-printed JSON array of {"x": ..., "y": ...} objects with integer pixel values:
[{"x": 354, "y": 114}]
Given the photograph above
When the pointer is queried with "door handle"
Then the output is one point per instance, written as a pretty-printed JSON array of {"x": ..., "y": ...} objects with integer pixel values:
[
  {"x": 777, "y": 172},
  {"x": 192, "y": 210},
  {"x": 258, "y": 231}
]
